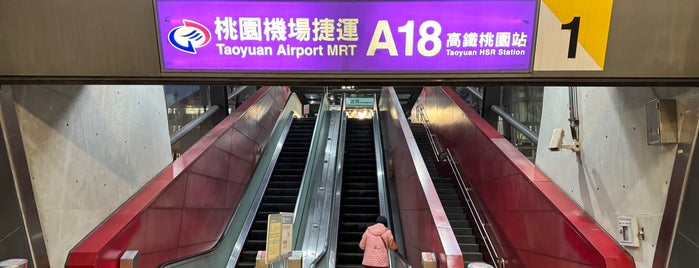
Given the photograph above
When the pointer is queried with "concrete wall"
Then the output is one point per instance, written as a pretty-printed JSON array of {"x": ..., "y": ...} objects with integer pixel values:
[
  {"x": 89, "y": 148},
  {"x": 617, "y": 173}
]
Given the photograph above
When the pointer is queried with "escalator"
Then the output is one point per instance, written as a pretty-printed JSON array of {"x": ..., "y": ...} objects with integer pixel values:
[
  {"x": 283, "y": 187},
  {"x": 450, "y": 200},
  {"x": 359, "y": 205}
]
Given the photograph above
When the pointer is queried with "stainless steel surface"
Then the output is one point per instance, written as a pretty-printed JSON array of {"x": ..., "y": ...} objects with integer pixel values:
[
  {"x": 680, "y": 174},
  {"x": 330, "y": 256},
  {"x": 661, "y": 121},
  {"x": 312, "y": 167},
  {"x": 323, "y": 231},
  {"x": 22, "y": 179},
  {"x": 179, "y": 134},
  {"x": 516, "y": 124}
]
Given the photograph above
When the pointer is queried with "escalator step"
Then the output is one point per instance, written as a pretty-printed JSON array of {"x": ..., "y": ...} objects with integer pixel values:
[
  {"x": 459, "y": 223},
  {"x": 457, "y": 217},
  {"x": 462, "y": 230},
  {"x": 469, "y": 247},
  {"x": 358, "y": 208},
  {"x": 466, "y": 239},
  {"x": 473, "y": 257}
]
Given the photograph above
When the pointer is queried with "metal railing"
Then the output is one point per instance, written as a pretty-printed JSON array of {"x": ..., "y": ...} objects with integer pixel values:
[
  {"x": 465, "y": 190},
  {"x": 446, "y": 155}
]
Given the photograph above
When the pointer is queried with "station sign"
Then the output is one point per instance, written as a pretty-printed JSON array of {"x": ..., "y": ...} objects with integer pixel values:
[
  {"x": 346, "y": 36},
  {"x": 360, "y": 102}
]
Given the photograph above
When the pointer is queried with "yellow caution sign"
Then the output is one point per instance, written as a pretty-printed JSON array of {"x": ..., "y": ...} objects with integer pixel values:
[
  {"x": 274, "y": 235},
  {"x": 572, "y": 35}
]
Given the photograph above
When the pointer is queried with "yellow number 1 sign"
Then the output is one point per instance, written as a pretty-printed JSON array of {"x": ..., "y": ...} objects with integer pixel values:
[{"x": 572, "y": 35}]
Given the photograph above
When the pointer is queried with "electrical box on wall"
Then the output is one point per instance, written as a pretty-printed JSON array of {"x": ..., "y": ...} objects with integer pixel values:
[
  {"x": 628, "y": 231},
  {"x": 661, "y": 121}
]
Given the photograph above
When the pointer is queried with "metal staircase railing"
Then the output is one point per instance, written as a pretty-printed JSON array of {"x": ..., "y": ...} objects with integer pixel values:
[{"x": 446, "y": 155}]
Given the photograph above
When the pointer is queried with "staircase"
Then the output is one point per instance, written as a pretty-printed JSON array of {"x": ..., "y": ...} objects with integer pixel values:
[
  {"x": 283, "y": 187},
  {"x": 359, "y": 205},
  {"x": 456, "y": 212}
]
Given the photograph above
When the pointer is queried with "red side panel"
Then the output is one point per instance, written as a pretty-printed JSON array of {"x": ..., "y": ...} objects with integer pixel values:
[
  {"x": 184, "y": 209},
  {"x": 424, "y": 223},
  {"x": 533, "y": 222}
]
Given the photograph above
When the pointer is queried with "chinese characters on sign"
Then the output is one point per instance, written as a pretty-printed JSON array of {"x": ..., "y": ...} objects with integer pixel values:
[{"x": 347, "y": 36}]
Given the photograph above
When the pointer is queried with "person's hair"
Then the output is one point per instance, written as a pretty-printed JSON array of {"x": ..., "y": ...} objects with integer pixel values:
[{"x": 382, "y": 220}]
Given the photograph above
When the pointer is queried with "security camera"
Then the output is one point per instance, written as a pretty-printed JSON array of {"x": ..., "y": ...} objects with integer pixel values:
[
  {"x": 556, "y": 143},
  {"x": 556, "y": 139}
]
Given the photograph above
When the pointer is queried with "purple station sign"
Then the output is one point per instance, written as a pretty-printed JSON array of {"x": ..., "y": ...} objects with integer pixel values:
[{"x": 339, "y": 36}]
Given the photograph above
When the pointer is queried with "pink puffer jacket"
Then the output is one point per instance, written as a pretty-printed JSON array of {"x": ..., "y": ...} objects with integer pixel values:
[{"x": 375, "y": 252}]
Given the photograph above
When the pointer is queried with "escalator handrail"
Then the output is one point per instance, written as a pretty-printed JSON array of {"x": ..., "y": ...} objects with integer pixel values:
[
  {"x": 278, "y": 134},
  {"x": 422, "y": 117},
  {"x": 329, "y": 248},
  {"x": 464, "y": 189},
  {"x": 384, "y": 205},
  {"x": 308, "y": 171}
]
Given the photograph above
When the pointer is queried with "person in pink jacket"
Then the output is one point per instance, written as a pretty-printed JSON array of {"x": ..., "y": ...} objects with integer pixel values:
[{"x": 376, "y": 241}]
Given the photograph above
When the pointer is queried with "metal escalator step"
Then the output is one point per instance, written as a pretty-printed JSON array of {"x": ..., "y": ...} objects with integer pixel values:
[
  {"x": 440, "y": 179},
  {"x": 454, "y": 210},
  {"x": 348, "y": 266},
  {"x": 280, "y": 191},
  {"x": 447, "y": 196},
  {"x": 353, "y": 227},
  {"x": 358, "y": 208},
  {"x": 359, "y": 217},
  {"x": 279, "y": 199},
  {"x": 277, "y": 207},
  {"x": 459, "y": 223},
  {"x": 359, "y": 186},
  {"x": 451, "y": 202},
  {"x": 364, "y": 200},
  {"x": 472, "y": 257},
  {"x": 466, "y": 239},
  {"x": 256, "y": 244},
  {"x": 283, "y": 171},
  {"x": 462, "y": 230},
  {"x": 347, "y": 257},
  {"x": 359, "y": 193},
  {"x": 443, "y": 185},
  {"x": 469, "y": 248},
  {"x": 284, "y": 184},
  {"x": 457, "y": 216}
]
